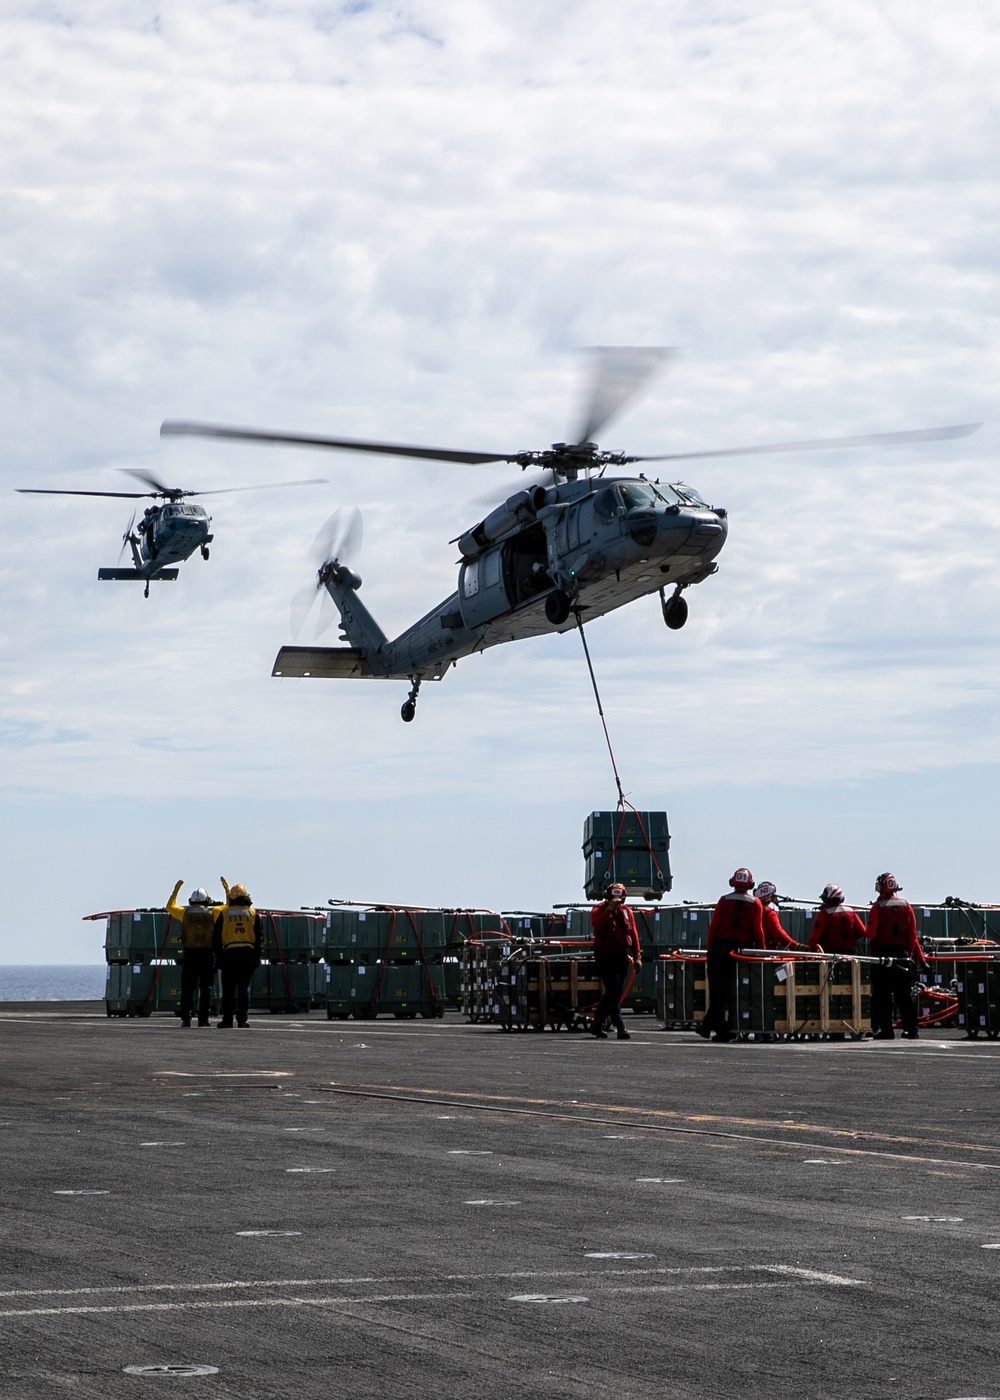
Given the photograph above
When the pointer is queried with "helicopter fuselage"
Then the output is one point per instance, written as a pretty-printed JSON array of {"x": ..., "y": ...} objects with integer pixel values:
[
  {"x": 167, "y": 535},
  {"x": 536, "y": 563}
]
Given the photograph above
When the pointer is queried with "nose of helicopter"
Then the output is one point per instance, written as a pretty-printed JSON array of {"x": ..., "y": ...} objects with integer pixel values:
[{"x": 687, "y": 530}]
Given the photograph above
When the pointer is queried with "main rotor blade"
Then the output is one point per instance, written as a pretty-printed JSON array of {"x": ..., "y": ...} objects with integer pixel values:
[
  {"x": 42, "y": 491},
  {"x": 618, "y": 373},
  {"x": 175, "y": 428},
  {"x": 264, "y": 486},
  {"x": 960, "y": 430},
  {"x": 148, "y": 479}
]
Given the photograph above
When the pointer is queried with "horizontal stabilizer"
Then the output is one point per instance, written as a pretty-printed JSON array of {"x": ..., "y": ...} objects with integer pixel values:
[
  {"x": 165, "y": 575},
  {"x": 325, "y": 663}
]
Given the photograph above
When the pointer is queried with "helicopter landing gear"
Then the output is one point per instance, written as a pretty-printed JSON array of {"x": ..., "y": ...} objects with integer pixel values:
[
  {"x": 557, "y": 607},
  {"x": 675, "y": 610},
  {"x": 408, "y": 709},
  {"x": 145, "y": 593},
  {"x": 204, "y": 551}
]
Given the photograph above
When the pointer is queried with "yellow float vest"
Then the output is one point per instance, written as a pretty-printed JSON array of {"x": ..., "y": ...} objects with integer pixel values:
[
  {"x": 237, "y": 926},
  {"x": 197, "y": 926}
]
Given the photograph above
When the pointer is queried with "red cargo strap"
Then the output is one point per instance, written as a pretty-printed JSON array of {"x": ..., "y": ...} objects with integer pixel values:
[
  {"x": 292, "y": 1003},
  {"x": 377, "y": 994},
  {"x": 151, "y": 999}
]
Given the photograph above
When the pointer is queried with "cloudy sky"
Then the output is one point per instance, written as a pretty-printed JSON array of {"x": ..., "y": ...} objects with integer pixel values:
[{"x": 401, "y": 221}]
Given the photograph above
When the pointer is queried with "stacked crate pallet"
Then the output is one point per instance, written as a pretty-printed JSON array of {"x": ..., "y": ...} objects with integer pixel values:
[
  {"x": 385, "y": 959},
  {"x": 143, "y": 953}
]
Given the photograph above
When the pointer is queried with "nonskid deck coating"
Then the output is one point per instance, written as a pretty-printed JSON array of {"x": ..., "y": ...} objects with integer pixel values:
[{"x": 811, "y": 1221}]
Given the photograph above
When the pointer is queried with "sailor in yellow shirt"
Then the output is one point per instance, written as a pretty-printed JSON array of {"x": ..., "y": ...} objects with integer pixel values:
[
  {"x": 197, "y": 921},
  {"x": 237, "y": 939}
]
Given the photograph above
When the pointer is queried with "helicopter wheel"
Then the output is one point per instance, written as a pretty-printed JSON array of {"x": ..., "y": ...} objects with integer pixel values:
[
  {"x": 146, "y": 590},
  {"x": 675, "y": 613},
  {"x": 557, "y": 607},
  {"x": 204, "y": 551},
  {"x": 408, "y": 711}
]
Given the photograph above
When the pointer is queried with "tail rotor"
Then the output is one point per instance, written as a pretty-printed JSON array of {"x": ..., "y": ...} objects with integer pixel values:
[
  {"x": 338, "y": 542},
  {"x": 126, "y": 537}
]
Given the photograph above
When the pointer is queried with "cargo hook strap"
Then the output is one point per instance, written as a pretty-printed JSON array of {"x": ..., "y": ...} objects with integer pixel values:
[{"x": 600, "y": 708}]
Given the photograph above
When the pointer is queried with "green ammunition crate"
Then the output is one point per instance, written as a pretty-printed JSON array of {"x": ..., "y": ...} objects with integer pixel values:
[
  {"x": 300, "y": 937},
  {"x": 365, "y": 990},
  {"x": 536, "y": 927},
  {"x": 377, "y": 934},
  {"x": 793, "y": 921},
  {"x": 288, "y": 987},
  {"x": 968, "y": 923},
  {"x": 140, "y": 935},
  {"x": 690, "y": 930},
  {"x": 648, "y": 830},
  {"x": 638, "y": 871},
  {"x": 140, "y": 988},
  {"x": 641, "y": 996}
]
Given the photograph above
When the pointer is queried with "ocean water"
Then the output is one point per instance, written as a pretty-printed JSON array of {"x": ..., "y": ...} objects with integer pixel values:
[{"x": 59, "y": 982}]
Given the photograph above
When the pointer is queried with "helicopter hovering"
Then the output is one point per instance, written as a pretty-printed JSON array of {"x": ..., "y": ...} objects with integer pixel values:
[
  {"x": 167, "y": 534},
  {"x": 574, "y": 542}
]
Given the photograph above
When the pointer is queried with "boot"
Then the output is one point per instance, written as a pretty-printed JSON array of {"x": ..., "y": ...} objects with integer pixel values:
[
  {"x": 186, "y": 1022},
  {"x": 623, "y": 1034},
  {"x": 225, "y": 1025}
]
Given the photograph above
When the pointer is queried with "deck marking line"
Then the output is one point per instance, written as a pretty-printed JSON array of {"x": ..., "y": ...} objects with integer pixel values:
[
  {"x": 749, "y": 1138},
  {"x": 356, "y": 1282},
  {"x": 458, "y": 1100},
  {"x": 203, "y": 1304}
]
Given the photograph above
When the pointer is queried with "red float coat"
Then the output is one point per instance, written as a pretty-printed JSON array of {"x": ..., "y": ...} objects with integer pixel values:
[
  {"x": 774, "y": 935},
  {"x": 892, "y": 929},
  {"x": 836, "y": 930},
  {"x": 737, "y": 922},
  {"x": 614, "y": 930}
]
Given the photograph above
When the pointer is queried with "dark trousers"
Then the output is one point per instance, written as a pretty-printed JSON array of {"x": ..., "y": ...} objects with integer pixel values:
[
  {"x": 893, "y": 984},
  {"x": 197, "y": 974},
  {"x": 720, "y": 1014},
  {"x": 613, "y": 970},
  {"x": 237, "y": 967}
]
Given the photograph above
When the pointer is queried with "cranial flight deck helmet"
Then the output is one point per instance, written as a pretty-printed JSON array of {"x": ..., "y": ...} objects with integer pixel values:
[
  {"x": 832, "y": 894},
  {"x": 199, "y": 896},
  {"x": 617, "y": 891},
  {"x": 741, "y": 879},
  {"x": 765, "y": 890},
  {"x": 887, "y": 884},
  {"x": 238, "y": 892}
]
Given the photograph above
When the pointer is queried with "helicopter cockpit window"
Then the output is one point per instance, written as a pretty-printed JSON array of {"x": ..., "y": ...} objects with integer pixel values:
[
  {"x": 607, "y": 504},
  {"x": 689, "y": 494},
  {"x": 637, "y": 495}
]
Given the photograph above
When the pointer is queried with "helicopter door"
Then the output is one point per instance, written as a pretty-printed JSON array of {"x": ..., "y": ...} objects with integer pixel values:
[{"x": 482, "y": 588}]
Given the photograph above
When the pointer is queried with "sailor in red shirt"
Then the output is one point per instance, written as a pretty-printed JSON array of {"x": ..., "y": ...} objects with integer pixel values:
[
  {"x": 616, "y": 949},
  {"x": 892, "y": 933},
  {"x": 775, "y": 936},
  {"x": 835, "y": 929},
  {"x": 736, "y": 923}
]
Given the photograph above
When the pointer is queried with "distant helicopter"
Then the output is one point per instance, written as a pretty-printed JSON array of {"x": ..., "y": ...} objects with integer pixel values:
[
  {"x": 573, "y": 543},
  {"x": 166, "y": 535}
]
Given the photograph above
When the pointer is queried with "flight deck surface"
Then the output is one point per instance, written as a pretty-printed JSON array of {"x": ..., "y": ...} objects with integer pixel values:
[{"x": 432, "y": 1208}]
